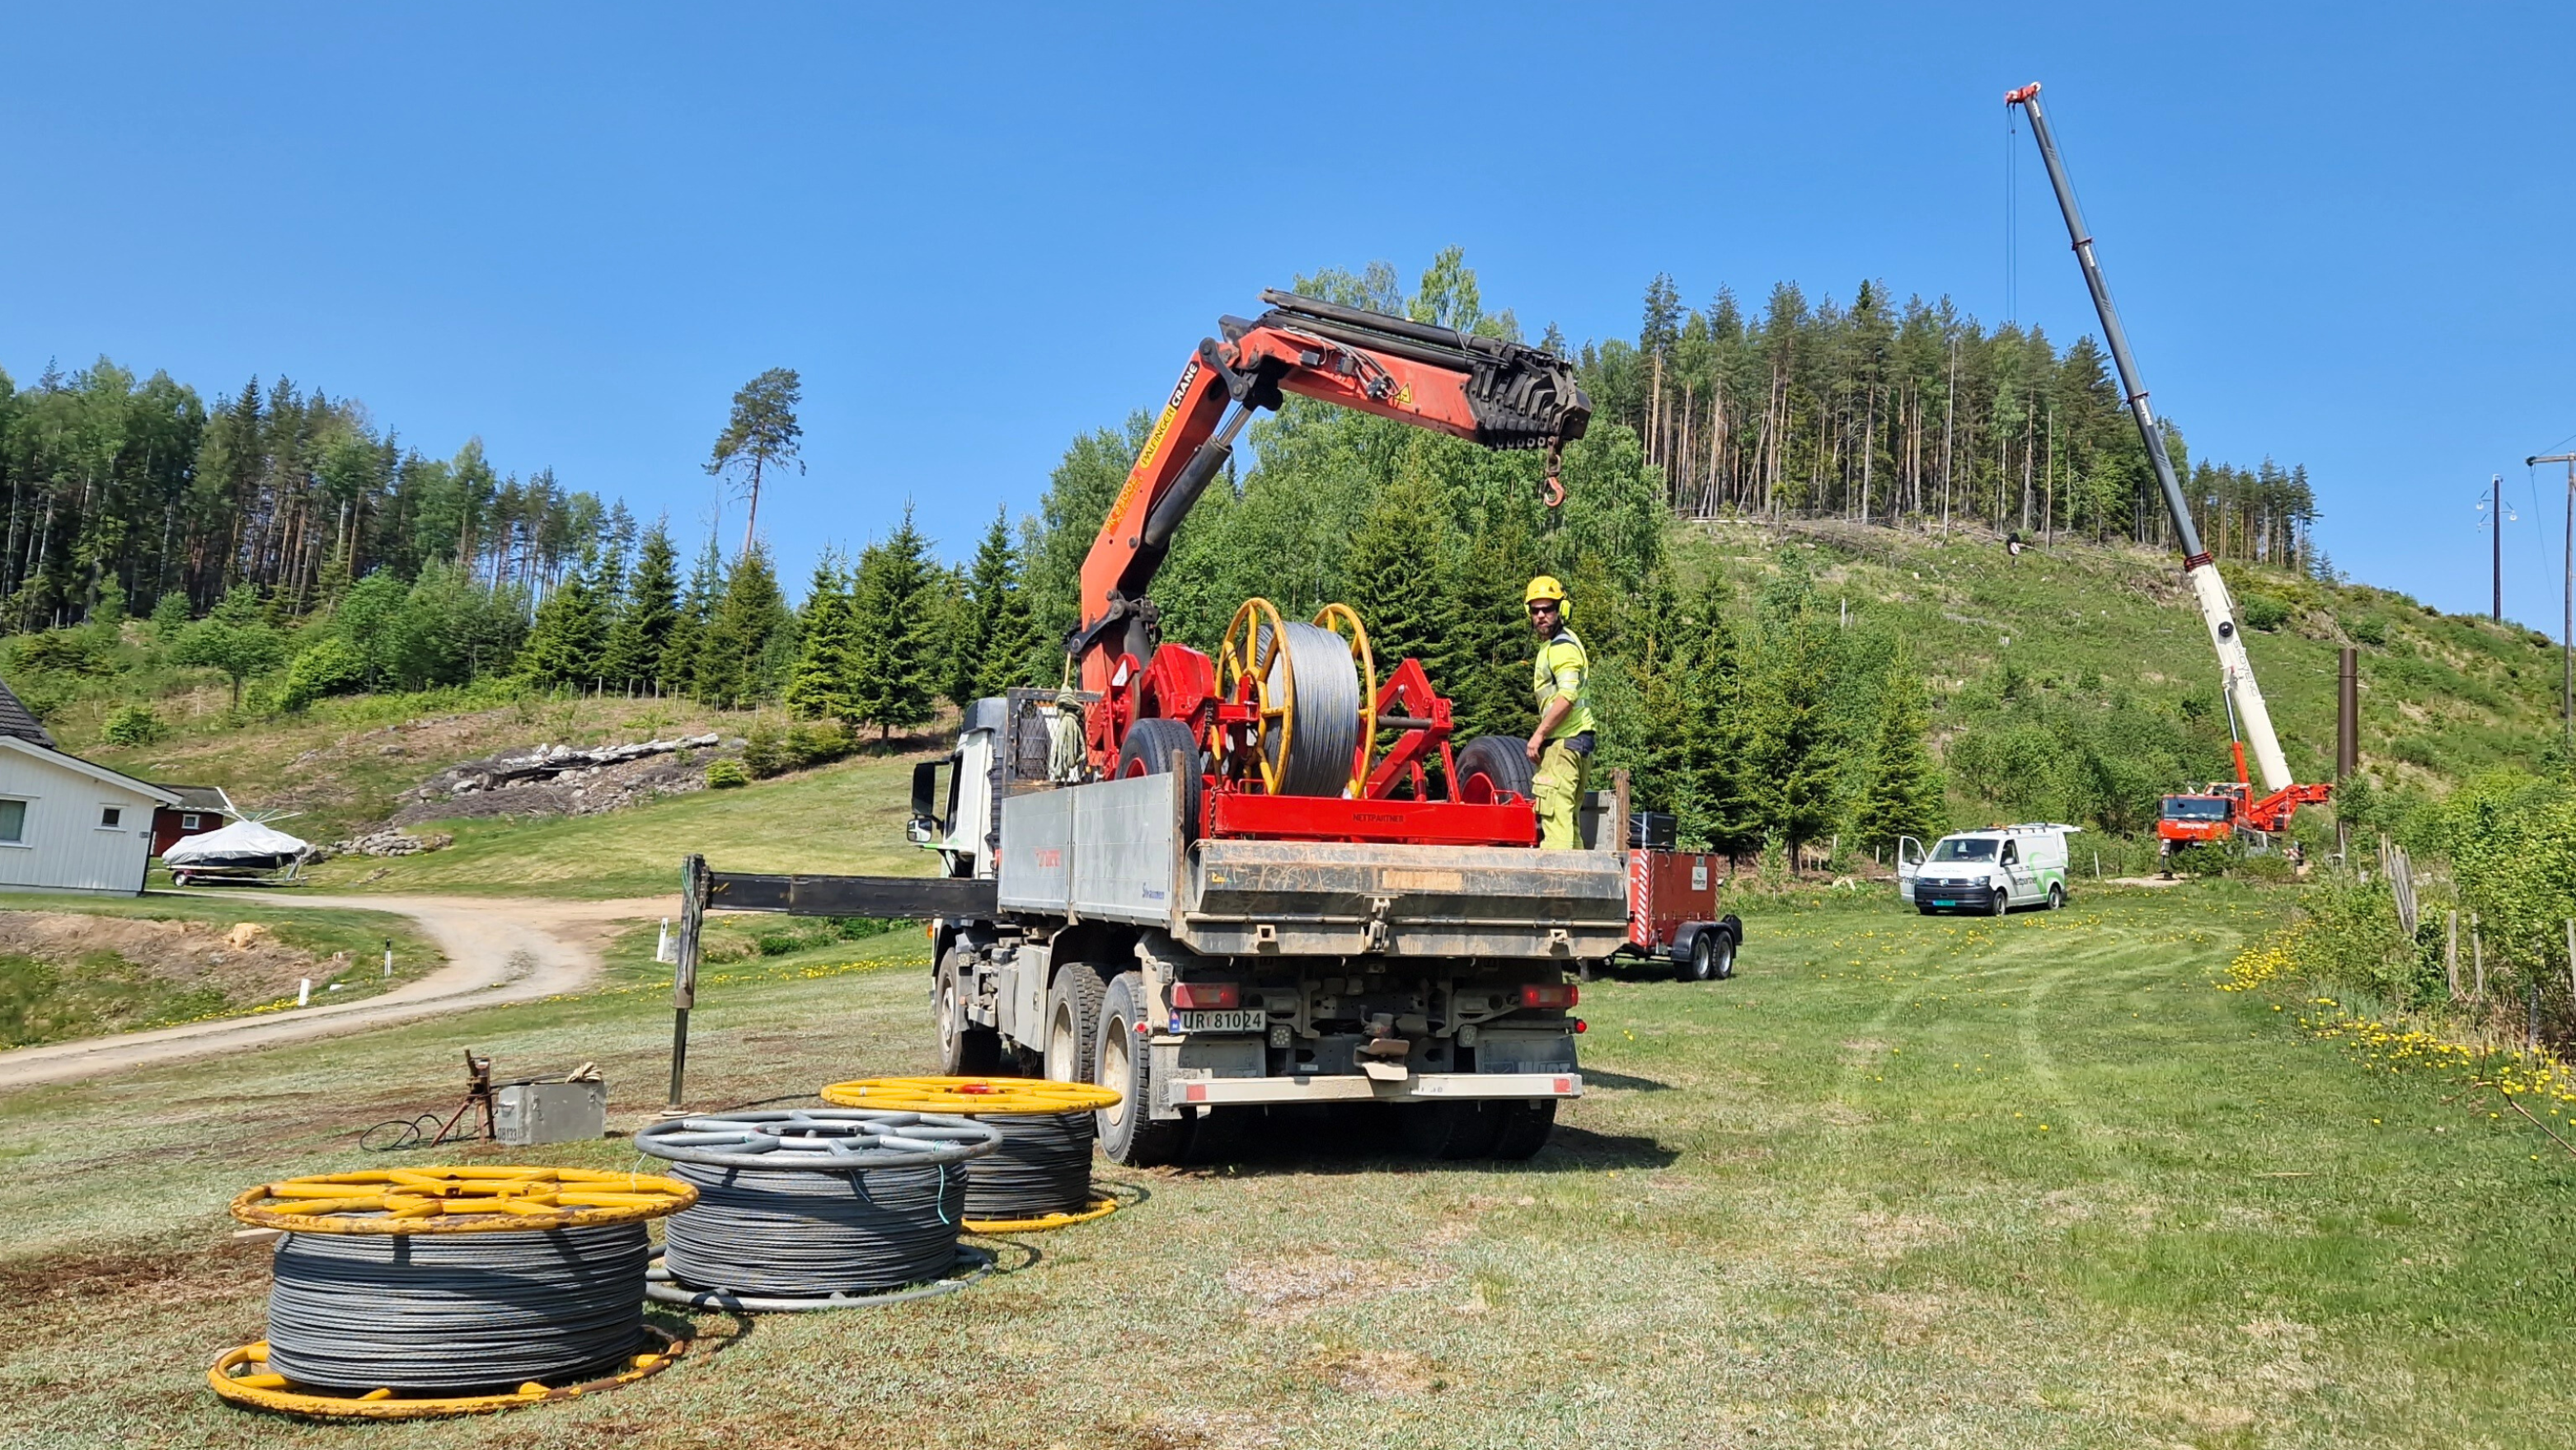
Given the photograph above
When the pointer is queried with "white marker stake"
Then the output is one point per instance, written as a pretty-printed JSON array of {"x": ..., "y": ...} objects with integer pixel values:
[
  {"x": 389, "y": 959},
  {"x": 304, "y": 992}
]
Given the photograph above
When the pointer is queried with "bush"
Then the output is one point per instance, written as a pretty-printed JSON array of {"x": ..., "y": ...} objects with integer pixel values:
[
  {"x": 330, "y": 667},
  {"x": 134, "y": 725},
  {"x": 2368, "y": 629},
  {"x": 764, "y": 752},
  {"x": 2265, "y": 613},
  {"x": 727, "y": 775}
]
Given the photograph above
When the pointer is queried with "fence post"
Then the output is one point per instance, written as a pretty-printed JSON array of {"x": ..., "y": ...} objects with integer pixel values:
[
  {"x": 2451, "y": 957},
  {"x": 2478, "y": 958},
  {"x": 2571, "y": 956},
  {"x": 684, "y": 970}
]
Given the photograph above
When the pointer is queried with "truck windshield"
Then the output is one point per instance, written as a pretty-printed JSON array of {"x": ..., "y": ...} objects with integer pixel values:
[
  {"x": 1955, "y": 849},
  {"x": 2195, "y": 808}
]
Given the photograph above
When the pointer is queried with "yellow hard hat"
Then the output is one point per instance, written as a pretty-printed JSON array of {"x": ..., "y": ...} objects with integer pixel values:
[{"x": 1544, "y": 587}]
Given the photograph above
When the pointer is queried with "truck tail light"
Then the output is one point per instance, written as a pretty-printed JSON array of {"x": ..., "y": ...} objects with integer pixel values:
[
  {"x": 1205, "y": 996},
  {"x": 1549, "y": 994}
]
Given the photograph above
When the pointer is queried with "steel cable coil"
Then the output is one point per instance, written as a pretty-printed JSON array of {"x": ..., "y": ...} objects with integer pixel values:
[
  {"x": 811, "y": 1233},
  {"x": 1043, "y": 1167},
  {"x": 361, "y": 1312},
  {"x": 1316, "y": 673}
]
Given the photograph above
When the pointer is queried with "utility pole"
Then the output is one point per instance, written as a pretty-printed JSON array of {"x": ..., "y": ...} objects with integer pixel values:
[
  {"x": 2494, "y": 510},
  {"x": 2567, "y": 615}
]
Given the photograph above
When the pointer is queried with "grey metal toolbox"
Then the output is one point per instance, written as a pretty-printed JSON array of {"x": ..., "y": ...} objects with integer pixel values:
[{"x": 549, "y": 1112}]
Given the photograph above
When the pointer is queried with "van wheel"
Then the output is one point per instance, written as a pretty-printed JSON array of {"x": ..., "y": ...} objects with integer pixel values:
[
  {"x": 1129, "y": 1133},
  {"x": 2003, "y": 900},
  {"x": 2056, "y": 896}
]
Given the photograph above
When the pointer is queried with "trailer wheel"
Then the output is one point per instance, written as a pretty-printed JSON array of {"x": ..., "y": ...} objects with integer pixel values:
[
  {"x": 1712, "y": 956},
  {"x": 1129, "y": 1133},
  {"x": 1525, "y": 1128},
  {"x": 1072, "y": 1021},
  {"x": 1502, "y": 761},
  {"x": 964, "y": 1049}
]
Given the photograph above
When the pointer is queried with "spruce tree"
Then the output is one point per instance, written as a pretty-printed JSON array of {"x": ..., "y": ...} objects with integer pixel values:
[
  {"x": 1905, "y": 795},
  {"x": 819, "y": 686},
  {"x": 1013, "y": 635},
  {"x": 1796, "y": 748},
  {"x": 564, "y": 644},
  {"x": 1484, "y": 664},
  {"x": 681, "y": 651},
  {"x": 1396, "y": 580},
  {"x": 892, "y": 681},
  {"x": 643, "y": 628},
  {"x": 735, "y": 653},
  {"x": 991, "y": 641}
]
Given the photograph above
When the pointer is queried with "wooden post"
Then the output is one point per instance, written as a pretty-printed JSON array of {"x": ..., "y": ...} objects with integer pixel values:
[
  {"x": 2451, "y": 958},
  {"x": 2571, "y": 956},
  {"x": 684, "y": 970},
  {"x": 2478, "y": 958}
]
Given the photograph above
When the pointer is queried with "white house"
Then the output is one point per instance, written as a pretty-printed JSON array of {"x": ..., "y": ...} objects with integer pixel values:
[{"x": 66, "y": 824}]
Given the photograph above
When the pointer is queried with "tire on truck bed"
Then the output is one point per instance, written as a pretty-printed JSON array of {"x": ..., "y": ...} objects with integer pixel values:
[
  {"x": 1501, "y": 759},
  {"x": 1129, "y": 1133}
]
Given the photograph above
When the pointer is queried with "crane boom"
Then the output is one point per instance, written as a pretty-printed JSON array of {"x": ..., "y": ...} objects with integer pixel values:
[{"x": 2217, "y": 610}]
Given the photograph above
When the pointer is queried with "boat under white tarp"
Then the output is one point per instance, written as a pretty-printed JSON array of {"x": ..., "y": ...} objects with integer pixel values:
[{"x": 243, "y": 846}]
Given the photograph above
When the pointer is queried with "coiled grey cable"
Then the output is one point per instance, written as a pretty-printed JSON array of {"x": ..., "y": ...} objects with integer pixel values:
[
  {"x": 795, "y": 1234},
  {"x": 454, "y": 1311},
  {"x": 1043, "y": 1167},
  {"x": 1315, "y": 668}
]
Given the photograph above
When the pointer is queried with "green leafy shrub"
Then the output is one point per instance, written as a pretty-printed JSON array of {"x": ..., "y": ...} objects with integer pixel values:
[
  {"x": 764, "y": 751},
  {"x": 134, "y": 725},
  {"x": 2367, "y": 629},
  {"x": 727, "y": 775},
  {"x": 330, "y": 667},
  {"x": 2265, "y": 613}
]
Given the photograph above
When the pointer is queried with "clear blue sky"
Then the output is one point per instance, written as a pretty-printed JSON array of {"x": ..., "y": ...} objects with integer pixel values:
[{"x": 2338, "y": 233}]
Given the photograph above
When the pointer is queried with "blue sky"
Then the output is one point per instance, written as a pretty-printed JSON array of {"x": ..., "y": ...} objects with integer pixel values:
[{"x": 2338, "y": 234}]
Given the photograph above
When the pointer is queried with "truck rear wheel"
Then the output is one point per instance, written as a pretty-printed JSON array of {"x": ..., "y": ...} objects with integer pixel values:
[
  {"x": 1129, "y": 1133},
  {"x": 1525, "y": 1128},
  {"x": 1073, "y": 1020},
  {"x": 964, "y": 1049},
  {"x": 1450, "y": 1130}
]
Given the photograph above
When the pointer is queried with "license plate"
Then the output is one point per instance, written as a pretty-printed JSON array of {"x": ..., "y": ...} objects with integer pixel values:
[
  {"x": 1247, "y": 1020},
  {"x": 1945, "y": 903}
]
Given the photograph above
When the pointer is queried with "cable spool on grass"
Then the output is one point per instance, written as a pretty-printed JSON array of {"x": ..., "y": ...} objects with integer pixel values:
[
  {"x": 415, "y": 1292},
  {"x": 819, "y": 1209},
  {"x": 1315, "y": 687},
  {"x": 1040, "y": 1176}
]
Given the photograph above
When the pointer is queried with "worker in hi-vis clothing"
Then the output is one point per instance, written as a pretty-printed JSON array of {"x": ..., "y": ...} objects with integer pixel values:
[{"x": 1561, "y": 746}]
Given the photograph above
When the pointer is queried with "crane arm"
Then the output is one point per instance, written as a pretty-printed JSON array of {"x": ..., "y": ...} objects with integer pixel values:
[
  {"x": 2209, "y": 591},
  {"x": 1496, "y": 393}
]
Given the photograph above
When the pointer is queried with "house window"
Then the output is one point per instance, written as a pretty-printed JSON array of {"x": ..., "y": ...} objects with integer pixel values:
[
  {"x": 110, "y": 817},
  {"x": 13, "y": 822},
  {"x": 188, "y": 822}
]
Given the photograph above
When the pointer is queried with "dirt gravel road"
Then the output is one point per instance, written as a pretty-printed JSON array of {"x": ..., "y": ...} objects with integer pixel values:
[{"x": 498, "y": 951}]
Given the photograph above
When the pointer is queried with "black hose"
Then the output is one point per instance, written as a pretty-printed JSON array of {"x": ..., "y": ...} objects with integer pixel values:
[
  {"x": 454, "y": 1312},
  {"x": 1043, "y": 1167},
  {"x": 810, "y": 1233}
]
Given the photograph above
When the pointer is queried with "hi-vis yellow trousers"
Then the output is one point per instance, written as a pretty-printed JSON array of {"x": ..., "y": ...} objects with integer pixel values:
[{"x": 1561, "y": 774}]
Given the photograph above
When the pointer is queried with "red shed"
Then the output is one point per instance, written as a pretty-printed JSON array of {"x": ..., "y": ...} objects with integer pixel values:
[{"x": 201, "y": 808}]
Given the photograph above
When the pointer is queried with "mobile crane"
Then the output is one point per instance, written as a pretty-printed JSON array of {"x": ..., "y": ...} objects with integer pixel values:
[{"x": 2227, "y": 808}]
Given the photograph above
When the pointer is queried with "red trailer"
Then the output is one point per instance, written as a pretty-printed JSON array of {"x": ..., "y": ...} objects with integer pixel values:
[{"x": 1672, "y": 907}]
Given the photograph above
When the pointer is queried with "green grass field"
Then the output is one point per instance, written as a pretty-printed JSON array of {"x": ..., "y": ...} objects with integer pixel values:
[{"x": 1903, "y": 1181}]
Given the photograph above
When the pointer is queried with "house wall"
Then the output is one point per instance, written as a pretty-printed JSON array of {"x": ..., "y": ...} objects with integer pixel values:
[
  {"x": 168, "y": 829},
  {"x": 64, "y": 847}
]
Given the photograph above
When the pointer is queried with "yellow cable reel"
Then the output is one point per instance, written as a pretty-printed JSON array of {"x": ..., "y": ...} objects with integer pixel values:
[
  {"x": 1255, "y": 643},
  {"x": 970, "y": 1096},
  {"x": 452, "y": 1200},
  {"x": 242, "y": 1375}
]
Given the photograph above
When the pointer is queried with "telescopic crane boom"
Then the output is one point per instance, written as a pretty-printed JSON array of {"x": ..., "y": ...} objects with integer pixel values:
[{"x": 2236, "y": 672}]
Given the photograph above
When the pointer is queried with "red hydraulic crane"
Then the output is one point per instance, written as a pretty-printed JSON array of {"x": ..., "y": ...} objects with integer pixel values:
[
  {"x": 1240, "y": 713},
  {"x": 2227, "y": 807}
]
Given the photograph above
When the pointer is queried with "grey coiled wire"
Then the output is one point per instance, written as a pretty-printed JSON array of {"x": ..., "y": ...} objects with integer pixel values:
[
  {"x": 1043, "y": 1167},
  {"x": 807, "y": 1234},
  {"x": 1325, "y": 709},
  {"x": 454, "y": 1311}
]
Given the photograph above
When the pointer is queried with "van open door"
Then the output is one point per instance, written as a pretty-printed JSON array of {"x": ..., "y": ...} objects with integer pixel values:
[{"x": 1909, "y": 864}]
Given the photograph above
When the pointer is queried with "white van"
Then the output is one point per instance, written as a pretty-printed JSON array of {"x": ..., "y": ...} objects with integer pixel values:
[{"x": 1990, "y": 871}]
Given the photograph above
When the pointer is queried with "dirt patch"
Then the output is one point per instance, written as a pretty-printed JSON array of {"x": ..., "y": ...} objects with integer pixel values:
[
  {"x": 1293, "y": 1286},
  {"x": 245, "y": 962},
  {"x": 1374, "y": 1371},
  {"x": 45, "y": 1291}
]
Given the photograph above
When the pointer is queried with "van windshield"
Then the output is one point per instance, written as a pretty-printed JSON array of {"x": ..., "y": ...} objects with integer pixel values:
[{"x": 1969, "y": 849}]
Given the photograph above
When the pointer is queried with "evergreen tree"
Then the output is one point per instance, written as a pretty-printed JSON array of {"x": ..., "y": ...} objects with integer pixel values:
[
  {"x": 1905, "y": 795},
  {"x": 993, "y": 637},
  {"x": 564, "y": 644},
  {"x": 687, "y": 642},
  {"x": 735, "y": 653},
  {"x": 818, "y": 688},
  {"x": 636, "y": 642},
  {"x": 1796, "y": 748},
  {"x": 894, "y": 654},
  {"x": 1484, "y": 665},
  {"x": 1397, "y": 582}
]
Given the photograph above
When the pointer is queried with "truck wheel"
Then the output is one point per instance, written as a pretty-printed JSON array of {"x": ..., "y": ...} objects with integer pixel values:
[
  {"x": 1525, "y": 1126},
  {"x": 1502, "y": 761},
  {"x": 1072, "y": 1021},
  {"x": 1148, "y": 749},
  {"x": 964, "y": 1049},
  {"x": 1450, "y": 1130},
  {"x": 2056, "y": 896},
  {"x": 1129, "y": 1133}
]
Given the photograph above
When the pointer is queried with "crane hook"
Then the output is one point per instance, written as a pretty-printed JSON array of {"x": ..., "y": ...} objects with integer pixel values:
[{"x": 1552, "y": 492}]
